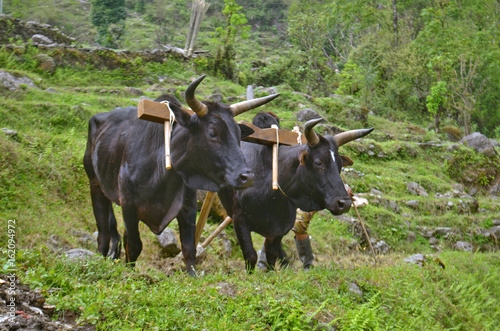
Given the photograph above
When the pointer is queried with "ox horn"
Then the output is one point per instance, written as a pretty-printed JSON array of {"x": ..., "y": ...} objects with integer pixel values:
[
  {"x": 345, "y": 137},
  {"x": 195, "y": 104},
  {"x": 243, "y": 106},
  {"x": 311, "y": 136}
]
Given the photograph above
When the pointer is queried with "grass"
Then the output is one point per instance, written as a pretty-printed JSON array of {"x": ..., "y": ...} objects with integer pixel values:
[
  {"x": 44, "y": 188},
  {"x": 396, "y": 295}
]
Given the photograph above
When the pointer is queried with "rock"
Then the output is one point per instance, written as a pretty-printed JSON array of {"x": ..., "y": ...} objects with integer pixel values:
[
  {"x": 442, "y": 231},
  {"x": 168, "y": 242},
  {"x": 307, "y": 114},
  {"x": 495, "y": 230},
  {"x": 433, "y": 241},
  {"x": 133, "y": 91},
  {"x": 416, "y": 189},
  {"x": 411, "y": 237},
  {"x": 201, "y": 253},
  {"x": 9, "y": 132},
  {"x": 413, "y": 204},
  {"x": 50, "y": 90},
  {"x": 419, "y": 259},
  {"x": 326, "y": 129},
  {"x": 46, "y": 63},
  {"x": 85, "y": 238},
  {"x": 354, "y": 289},
  {"x": 217, "y": 97},
  {"x": 268, "y": 90},
  {"x": 480, "y": 143},
  {"x": 41, "y": 39},
  {"x": 381, "y": 247},
  {"x": 496, "y": 222},
  {"x": 307, "y": 96},
  {"x": 12, "y": 83},
  {"x": 463, "y": 246},
  {"x": 79, "y": 254},
  {"x": 494, "y": 191}
]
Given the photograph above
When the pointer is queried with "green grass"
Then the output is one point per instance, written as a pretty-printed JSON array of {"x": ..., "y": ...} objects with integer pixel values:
[
  {"x": 396, "y": 295},
  {"x": 44, "y": 188}
]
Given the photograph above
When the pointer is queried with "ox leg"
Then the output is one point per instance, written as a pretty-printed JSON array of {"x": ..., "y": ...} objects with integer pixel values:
[
  {"x": 274, "y": 252},
  {"x": 131, "y": 237},
  {"x": 101, "y": 206},
  {"x": 187, "y": 228},
  {"x": 245, "y": 241},
  {"x": 116, "y": 241}
]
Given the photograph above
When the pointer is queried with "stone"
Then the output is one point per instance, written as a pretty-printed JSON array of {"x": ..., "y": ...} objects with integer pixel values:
[
  {"x": 463, "y": 246},
  {"x": 307, "y": 114},
  {"x": 381, "y": 247},
  {"x": 416, "y": 189},
  {"x": 354, "y": 289},
  {"x": 168, "y": 242},
  {"x": 411, "y": 237},
  {"x": 11, "y": 82},
  {"x": 9, "y": 132},
  {"x": 79, "y": 254},
  {"x": 413, "y": 204},
  {"x": 495, "y": 230},
  {"x": 433, "y": 241},
  {"x": 41, "y": 39},
  {"x": 133, "y": 91},
  {"x": 480, "y": 143},
  {"x": 418, "y": 259},
  {"x": 46, "y": 63},
  {"x": 217, "y": 97}
]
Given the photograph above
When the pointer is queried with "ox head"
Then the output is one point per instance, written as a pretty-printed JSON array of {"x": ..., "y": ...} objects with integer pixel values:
[
  {"x": 319, "y": 171},
  {"x": 206, "y": 145}
]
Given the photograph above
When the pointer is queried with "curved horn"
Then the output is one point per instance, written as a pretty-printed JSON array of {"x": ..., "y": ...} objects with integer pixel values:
[
  {"x": 311, "y": 136},
  {"x": 345, "y": 137},
  {"x": 243, "y": 106},
  {"x": 195, "y": 104}
]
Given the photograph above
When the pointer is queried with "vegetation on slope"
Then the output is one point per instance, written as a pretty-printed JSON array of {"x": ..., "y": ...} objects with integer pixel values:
[{"x": 44, "y": 188}]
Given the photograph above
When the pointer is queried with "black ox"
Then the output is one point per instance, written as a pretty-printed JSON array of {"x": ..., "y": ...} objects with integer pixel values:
[
  {"x": 125, "y": 163},
  {"x": 309, "y": 179}
]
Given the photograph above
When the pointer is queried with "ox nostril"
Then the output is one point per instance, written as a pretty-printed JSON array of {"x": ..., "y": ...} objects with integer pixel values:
[
  {"x": 246, "y": 178},
  {"x": 344, "y": 204}
]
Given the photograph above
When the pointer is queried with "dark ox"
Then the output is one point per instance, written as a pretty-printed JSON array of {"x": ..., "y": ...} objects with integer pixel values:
[
  {"x": 125, "y": 163},
  {"x": 309, "y": 179}
]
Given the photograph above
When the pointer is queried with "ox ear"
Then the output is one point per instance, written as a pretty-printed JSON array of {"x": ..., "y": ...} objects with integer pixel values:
[
  {"x": 245, "y": 130},
  {"x": 181, "y": 115},
  {"x": 303, "y": 155},
  {"x": 346, "y": 161}
]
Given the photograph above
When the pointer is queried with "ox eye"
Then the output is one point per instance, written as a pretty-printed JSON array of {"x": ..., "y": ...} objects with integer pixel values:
[
  {"x": 319, "y": 164},
  {"x": 213, "y": 135}
]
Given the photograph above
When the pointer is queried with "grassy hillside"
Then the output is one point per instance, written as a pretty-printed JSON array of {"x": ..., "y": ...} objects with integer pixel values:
[{"x": 43, "y": 187}]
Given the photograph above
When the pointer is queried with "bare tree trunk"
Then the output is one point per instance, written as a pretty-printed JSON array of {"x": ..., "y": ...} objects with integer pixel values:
[{"x": 198, "y": 11}]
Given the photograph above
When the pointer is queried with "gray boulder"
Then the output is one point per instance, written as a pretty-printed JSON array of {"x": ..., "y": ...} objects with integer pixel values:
[
  {"x": 41, "y": 39},
  {"x": 133, "y": 91},
  {"x": 307, "y": 114},
  {"x": 419, "y": 259},
  {"x": 12, "y": 83},
  {"x": 168, "y": 242},
  {"x": 480, "y": 143},
  {"x": 416, "y": 189},
  {"x": 463, "y": 246},
  {"x": 78, "y": 254}
]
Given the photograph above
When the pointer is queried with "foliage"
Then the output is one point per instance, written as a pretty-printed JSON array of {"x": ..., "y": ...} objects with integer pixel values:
[
  {"x": 109, "y": 18},
  {"x": 225, "y": 39}
]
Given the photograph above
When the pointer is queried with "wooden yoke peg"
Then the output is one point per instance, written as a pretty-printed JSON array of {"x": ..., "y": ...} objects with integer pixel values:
[
  {"x": 275, "y": 159},
  {"x": 159, "y": 112}
]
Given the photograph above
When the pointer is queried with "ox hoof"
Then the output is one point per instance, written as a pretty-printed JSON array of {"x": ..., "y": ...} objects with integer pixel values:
[{"x": 115, "y": 250}]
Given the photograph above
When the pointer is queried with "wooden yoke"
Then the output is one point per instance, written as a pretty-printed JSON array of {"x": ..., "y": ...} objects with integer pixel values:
[
  {"x": 158, "y": 112},
  {"x": 274, "y": 136}
]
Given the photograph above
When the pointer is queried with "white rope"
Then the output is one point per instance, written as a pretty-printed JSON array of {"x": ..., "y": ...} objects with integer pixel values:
[{"x": 299, "y": 134}]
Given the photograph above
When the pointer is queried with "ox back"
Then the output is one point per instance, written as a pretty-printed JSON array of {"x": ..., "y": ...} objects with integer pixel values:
[
  {"x": 309, "y": 179},
  {"x": 125, "y": 163}
]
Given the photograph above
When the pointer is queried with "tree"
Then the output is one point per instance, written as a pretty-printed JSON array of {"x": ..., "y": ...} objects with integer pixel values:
[
  {"x": 109, "y": 18},
  {"x": 225, "y": 39}
]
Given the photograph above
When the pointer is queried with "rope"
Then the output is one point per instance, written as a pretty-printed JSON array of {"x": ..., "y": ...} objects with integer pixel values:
[
  {"x": 299, "y": 134},
  {"x": 362, "y": 224}
]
